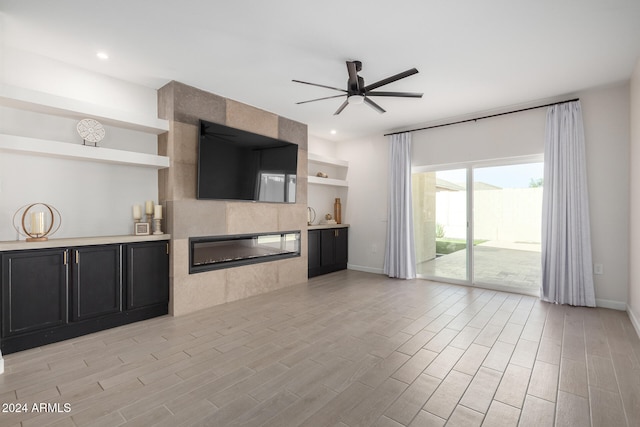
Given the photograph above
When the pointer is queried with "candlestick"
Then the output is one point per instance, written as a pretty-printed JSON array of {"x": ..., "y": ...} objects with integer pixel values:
[
  {"x": 137, "y": 212},
  {"x": 37, "y": 223},
  {"x": 157, "y": 226},
  {"x": 157, "y": 213}
]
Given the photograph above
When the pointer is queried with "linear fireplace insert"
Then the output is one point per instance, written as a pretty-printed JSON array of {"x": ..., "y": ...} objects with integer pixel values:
[{"x": 215, "y": 252}]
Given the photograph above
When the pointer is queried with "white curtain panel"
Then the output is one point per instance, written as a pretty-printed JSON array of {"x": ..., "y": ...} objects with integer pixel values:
[
  {"x": 567, "y": 276},
  {"x": 400, "y": 255}
]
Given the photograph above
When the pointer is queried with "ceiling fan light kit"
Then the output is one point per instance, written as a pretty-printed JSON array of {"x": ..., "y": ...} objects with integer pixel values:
[
  {"x": 358, "y": 93},
  {"x": 356, "y": 99}
]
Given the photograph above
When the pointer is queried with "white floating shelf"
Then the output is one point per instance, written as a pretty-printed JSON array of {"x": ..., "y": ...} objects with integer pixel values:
[
  {"x": 324, "y": 160},
  {"x": 328, "y": 181},
  {"x": 41, "y": 102},
  {"x": 65, "y": 150}
]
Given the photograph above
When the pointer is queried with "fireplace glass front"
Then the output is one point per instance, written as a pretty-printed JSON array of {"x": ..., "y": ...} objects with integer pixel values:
[{"x": 212, "y": 253}]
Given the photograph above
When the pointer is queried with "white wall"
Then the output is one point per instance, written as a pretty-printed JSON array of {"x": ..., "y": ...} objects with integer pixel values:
[
  {"x": 606, "y": 117},
  {"x": 24, "y": 69},
  {"x": 322, "y": 146},
  {"x": 368, "y": 212},
  {"x": 94, "y": 199},
  {"x": 634, "y": 248},
  {"x": 511, "y": 135},
  {"x": 606, "y": 121}
]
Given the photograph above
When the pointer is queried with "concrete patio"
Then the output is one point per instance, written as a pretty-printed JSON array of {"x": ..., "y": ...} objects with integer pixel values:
[{"x": 513, "y": 265}]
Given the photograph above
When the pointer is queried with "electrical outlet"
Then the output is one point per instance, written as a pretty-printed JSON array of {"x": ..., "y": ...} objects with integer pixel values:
[
  {"x": 598, "y": 269},
  {"x": 374, "y": 248}
]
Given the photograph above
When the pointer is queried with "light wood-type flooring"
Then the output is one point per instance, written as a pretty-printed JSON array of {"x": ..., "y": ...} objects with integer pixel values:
[{"x": 345, "y": 349}]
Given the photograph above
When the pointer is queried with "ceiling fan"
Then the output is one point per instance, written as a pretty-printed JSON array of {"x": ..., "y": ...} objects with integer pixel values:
[{"x": 357, "y": 92}]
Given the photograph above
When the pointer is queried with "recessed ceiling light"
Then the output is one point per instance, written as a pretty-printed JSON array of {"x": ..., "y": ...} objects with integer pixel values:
[
  {"x": 333, "y": 132},
  {"x": 102, "y": 55}
]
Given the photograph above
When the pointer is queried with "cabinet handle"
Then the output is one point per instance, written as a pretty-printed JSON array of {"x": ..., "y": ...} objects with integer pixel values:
[
  {"x": 336, "y": 233},
  {"x": 77, "y": 257},
  {"x": 64, "y": 258},
  {"x": 167, "y": 249}
]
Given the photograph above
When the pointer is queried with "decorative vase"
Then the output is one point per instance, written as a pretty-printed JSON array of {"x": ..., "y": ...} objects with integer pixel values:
[{"x": 337, "y": 211}]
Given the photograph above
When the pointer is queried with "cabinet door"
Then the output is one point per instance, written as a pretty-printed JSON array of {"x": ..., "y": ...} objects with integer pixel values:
[
  {"x": 147, "y": 274},
  {"x": 314, "y": 249},
  {"x": 342, "y": 247},
  {"x": 34, "y": 290},
  {"x": 97, "y": 281},
  {"x": 327, "y": 247}
]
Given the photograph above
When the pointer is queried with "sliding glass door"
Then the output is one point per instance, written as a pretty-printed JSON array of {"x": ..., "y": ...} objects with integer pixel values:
[
  {"x": 507, "y": 213},
  {"x": 440, "y": 223},
  {"x": 480, "y": 224}
]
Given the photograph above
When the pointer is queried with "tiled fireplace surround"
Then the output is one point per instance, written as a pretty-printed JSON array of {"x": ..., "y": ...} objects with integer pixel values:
[{"x": 187, "y": 217}]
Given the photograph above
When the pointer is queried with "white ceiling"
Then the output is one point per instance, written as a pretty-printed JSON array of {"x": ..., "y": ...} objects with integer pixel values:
[{"x": 473, "y": 56}]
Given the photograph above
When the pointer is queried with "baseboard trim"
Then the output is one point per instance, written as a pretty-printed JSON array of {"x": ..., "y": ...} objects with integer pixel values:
[
  {"x": 634, "y": 319},
  {"x": 614, "y": 305},
  {"x": 365, "y": 269},
  {"x": 604, "y": 303}
]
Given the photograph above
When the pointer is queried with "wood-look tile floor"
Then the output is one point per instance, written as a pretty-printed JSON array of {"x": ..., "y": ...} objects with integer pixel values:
[{"x": 346, "y": 349}]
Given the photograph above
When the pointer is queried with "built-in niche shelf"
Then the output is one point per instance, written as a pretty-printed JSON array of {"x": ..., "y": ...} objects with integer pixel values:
[
  {"x": 46, "y": 103},
  {"x": 42, "y": 147},
  {"x": 337, "y": 165},
  {"x": 324, "y": 160}
]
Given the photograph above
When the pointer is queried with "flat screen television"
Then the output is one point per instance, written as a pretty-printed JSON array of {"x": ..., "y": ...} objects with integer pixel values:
[{"x": 235, "y": 164}]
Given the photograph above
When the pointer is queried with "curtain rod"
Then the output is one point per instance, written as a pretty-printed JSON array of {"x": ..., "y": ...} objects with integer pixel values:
[{"x": 484, "y": 117}]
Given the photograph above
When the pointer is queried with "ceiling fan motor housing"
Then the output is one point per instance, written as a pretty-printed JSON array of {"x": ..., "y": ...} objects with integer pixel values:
[{"x": 356, "y": 88}]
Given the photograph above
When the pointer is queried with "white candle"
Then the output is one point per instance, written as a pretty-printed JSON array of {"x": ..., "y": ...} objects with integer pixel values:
[
  {"x": 137, "y": 212},
  {"x": 37, "y": 223},
  {"x": 157, "y": 214},
  {"x": 148, "y": 207}
]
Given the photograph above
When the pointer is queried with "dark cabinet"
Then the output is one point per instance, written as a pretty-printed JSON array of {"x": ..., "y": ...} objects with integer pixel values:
[
  {"x": 49, "y": 295},
  {"x": 314, "y": 251},
  {"x": 147, "y": 274},
  {"x": 328, "y": 250},
  {"x": 341, "y": 245},
  {"x": 96, "y": 281},
  {"x": 34, "y": 290}
]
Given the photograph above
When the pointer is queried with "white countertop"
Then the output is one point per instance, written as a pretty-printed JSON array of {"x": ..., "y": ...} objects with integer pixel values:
[
  {"x": 18, "y": 245},
  {"x": 323, "y": 226}
]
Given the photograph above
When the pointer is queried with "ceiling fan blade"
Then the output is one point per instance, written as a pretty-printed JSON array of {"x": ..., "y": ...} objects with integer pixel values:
[
  {"x": 315, "y": 84},
  {"x": 352, "y": 83},
  {"x": 342, "y": 107},
  {"x": 373, "y": 105},
  {"x": 319, "y": 99},
  {"x": 390, "y": 79},
  {"x": 399, "y": 94}
]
